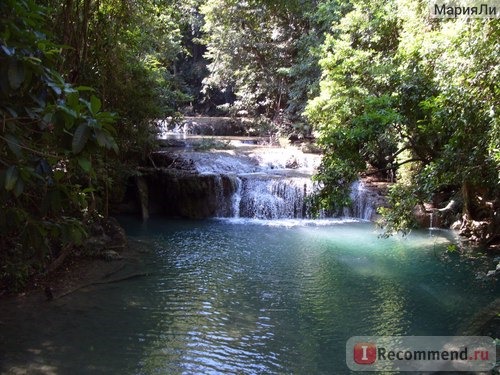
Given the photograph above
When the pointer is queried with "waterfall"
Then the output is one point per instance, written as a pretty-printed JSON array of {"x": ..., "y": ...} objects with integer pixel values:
[
  {"x": 275, "y": 198},
  {"x": 262, "y": 197},
  {"x": 236, "y": 199},
  {"x": 259, "y": 196},
  {"x": 264, "y": 184},
  {"x": 227, "y": 195},
  {"x": 363, "y": 204}
]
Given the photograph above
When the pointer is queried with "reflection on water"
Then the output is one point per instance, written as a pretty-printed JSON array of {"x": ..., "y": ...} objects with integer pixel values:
[{"x": 240, "y": 297}]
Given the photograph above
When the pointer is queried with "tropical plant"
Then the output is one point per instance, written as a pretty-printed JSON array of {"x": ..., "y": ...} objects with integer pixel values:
[
  {"x": 405, "y": 93},
  {"x": 53, "y": 139}
]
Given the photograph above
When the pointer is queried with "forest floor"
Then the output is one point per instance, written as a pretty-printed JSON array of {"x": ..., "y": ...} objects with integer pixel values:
[{"x": 78, "y": 272}]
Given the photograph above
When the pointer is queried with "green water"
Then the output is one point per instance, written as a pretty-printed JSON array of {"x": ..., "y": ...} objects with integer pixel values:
[{"x": 255, "y": 297}]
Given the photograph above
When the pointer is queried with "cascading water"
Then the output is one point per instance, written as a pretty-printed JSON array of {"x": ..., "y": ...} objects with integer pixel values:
[
  {"x": 262, "y": 196},
  {"x": 236, "y": 199},
  {"x": 265, "y": 183},
  {"x": 363, "y": 205},
  {"x": 274, "y": 184},
  {"x": 275, "y": 198}
]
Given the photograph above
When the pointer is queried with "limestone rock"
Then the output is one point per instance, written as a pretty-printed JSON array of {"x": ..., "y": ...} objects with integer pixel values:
[
  {"x": 96, "y": 244},
  {"x": 111, "y": 255}
]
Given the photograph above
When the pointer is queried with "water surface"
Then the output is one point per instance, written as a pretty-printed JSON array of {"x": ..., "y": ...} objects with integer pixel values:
[{"x": 239, "y": 296}]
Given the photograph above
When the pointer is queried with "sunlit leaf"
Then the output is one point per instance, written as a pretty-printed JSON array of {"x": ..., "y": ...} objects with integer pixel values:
[{"x": 84, "y": 88}]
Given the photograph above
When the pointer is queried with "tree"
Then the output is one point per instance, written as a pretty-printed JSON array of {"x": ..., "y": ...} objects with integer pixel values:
[
  {"x": 127, "y": 51},
  {"x": 354, "y": 110},
  {"x": 53, "y": 138},
  {"x": 403, "y": 92},
  {"x": 252, "y": 48}
]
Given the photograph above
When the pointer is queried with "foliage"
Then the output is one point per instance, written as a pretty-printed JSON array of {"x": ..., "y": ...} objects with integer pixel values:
[
  {"x": 394, "y": 92},
  {"x": 266, "y": 53},
  {"x": 451, "y": 248},
  {"x": 127, "y": 52},
  {"x": 401, "y": 92},
  {"x": 305, "y": 71},
  {"x": 355, "y": 104},
  {"x": 54, "y": 138},
  {"x": 207, "y": 144},
  {"x": 58, "y": 143}
]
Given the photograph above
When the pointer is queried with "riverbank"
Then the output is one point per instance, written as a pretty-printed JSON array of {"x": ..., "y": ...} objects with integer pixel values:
[
  {"x": 81, "y": 270},
  {"x": 45, "y": 321}
]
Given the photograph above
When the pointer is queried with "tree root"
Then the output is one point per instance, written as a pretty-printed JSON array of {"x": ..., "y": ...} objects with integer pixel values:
[{"x": 59, "y": 260}]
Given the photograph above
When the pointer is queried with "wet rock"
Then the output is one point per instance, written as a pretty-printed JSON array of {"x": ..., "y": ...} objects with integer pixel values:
[
  {"x": 172, "y": 160},
  {"x": 476, "y": 231},
  {"x": 96, "y": 244},
  {"x": 190, "y": 196},
  {"x": 111, "y": 235},
  {"x": 495, "y": 272},
  {"x": 292, "y": 163},
  {"x": 143, "y": 192},
  {"x": 111, "y": 255},
  {"x": 456, "y": 225},
  {"x": 171, "y": 143},
  {"x": 116, "y": 232}
]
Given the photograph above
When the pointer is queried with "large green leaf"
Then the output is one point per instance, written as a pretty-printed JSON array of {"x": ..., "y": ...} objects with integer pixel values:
[
  {"x": 14, "y": 146},
  {"x": 85, "y": 164},
  {"x": 95, "y": 104},
  {"x": 11, "y": 176},
  {"x": 16, "y": 74},
  {"x": 80, "y": 138}
]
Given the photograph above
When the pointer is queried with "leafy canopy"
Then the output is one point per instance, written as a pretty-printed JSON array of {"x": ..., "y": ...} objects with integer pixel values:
[{"x": 401, "y": 92}]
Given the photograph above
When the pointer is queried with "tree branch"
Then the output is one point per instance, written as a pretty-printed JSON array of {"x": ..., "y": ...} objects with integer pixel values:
[{"x": 393, "y": 166}]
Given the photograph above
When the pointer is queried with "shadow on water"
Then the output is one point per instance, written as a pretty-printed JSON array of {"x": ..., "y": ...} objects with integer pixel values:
[
  {"x": 250, "y": 297},
  {"x": 86, "y": 331}
]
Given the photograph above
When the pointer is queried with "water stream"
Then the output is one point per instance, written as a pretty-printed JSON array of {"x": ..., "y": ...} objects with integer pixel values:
[
  {"x": 258, "y": 289},
  {"x": 263, "y": 182},
  {"x": 249, "y": 296}
]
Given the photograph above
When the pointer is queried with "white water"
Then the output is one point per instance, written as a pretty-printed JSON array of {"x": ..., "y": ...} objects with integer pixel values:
[
  {"x": 363, "y": 205},
  {"x": 275, "y": 198},
  {"x": 269, "y": 183}
]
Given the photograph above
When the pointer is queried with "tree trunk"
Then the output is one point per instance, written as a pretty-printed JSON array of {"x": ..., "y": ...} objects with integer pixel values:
[{"x": 468, "y": 203}]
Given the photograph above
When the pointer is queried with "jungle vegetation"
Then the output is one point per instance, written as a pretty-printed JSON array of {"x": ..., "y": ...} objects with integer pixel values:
[{"x": 381, "y": 85}]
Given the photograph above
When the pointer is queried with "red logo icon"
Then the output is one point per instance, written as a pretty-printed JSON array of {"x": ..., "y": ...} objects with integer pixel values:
[{"x": 365, "y": 353}]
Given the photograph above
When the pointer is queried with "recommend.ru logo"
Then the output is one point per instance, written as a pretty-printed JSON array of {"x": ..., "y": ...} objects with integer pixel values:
[{"x": 421, "y": 353}]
